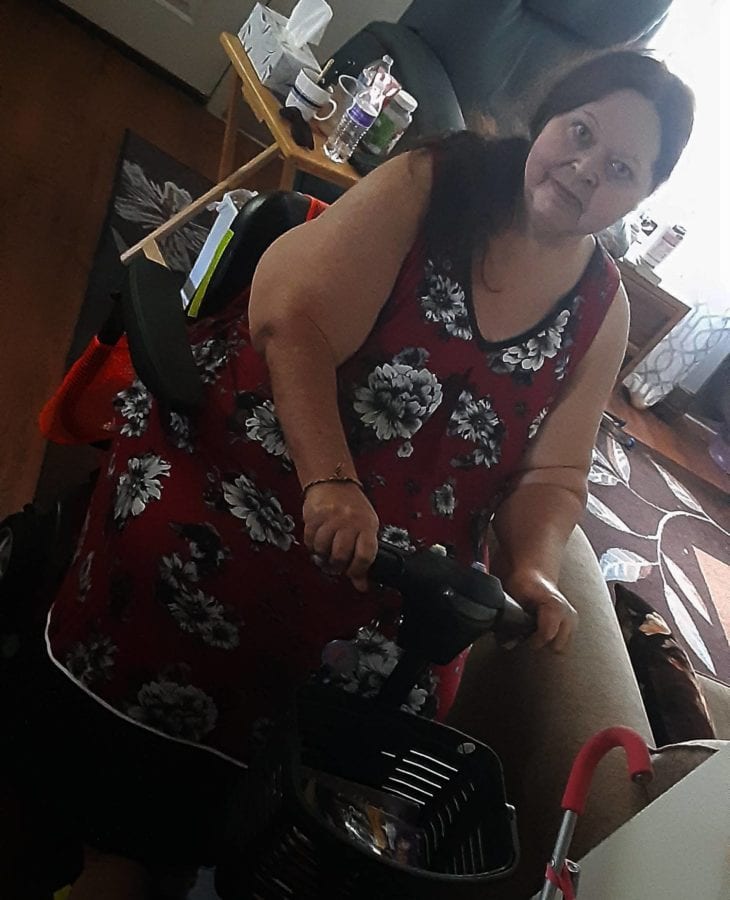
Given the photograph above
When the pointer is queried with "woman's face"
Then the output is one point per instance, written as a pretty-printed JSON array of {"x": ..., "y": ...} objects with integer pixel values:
[{"x": 592, "y": 165}]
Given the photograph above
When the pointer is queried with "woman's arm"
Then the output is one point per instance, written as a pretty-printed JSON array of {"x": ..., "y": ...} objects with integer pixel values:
[
  {"x": 315, "y": 297},
  {"x": 537, "y": 517}
]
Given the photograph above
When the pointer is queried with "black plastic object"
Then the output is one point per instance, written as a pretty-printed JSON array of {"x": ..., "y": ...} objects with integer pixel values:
[
  {"x": 263, "y": 219},
  {"x": 158, "y": 340},
  {"x": 300, "y": 129},
  {"x": 281, "y": 847},
  {"x": 446, "y": 606}
]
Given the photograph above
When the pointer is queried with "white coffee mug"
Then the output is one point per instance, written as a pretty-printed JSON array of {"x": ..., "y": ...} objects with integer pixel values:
[
  {"x": 344, "y": 94},
  {"x": 309, "y": 98}
]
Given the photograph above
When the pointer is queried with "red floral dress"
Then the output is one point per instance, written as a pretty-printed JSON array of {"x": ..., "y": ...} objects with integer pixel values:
[{"x": 192, "y": 607}]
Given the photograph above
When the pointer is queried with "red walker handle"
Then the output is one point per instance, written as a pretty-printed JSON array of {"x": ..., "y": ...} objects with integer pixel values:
[{"x": 591, "y": 753}]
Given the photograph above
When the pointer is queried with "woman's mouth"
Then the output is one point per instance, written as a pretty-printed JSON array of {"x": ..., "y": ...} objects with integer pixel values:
[{"x": 566, "y": 195}]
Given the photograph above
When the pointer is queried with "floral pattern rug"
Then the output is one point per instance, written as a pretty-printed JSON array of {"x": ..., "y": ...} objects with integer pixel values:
[
  {"x": 149, "y": 187},
  {"x": 666, "y": 533}
]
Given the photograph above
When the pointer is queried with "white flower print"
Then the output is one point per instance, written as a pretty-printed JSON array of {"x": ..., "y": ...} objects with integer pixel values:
[
  {"x": 176, "y": 573},
  {"x": 396, "y": 537},
  {"x": 472, "y": 419},
  {"x": 182, "y": 711},
  {"x": 443, "y": 303},
  {"x": 220, "y": 633},
  {"x": 178, "y": 432},
  {"x": 263, "y": 426},
  {"x": 91, "y": 662},
  {"x": 475, "y": 420},
  {"x": 377, "y": 656},
  {"x": 405, "y": 450},
  {"x": 397, "y": 401},
  {"x": 415, "y": 357},
  {"x": 443, "y": 500},
  {"x": 134, "y": 404},
  {"x": 211, "y": 355},
  {"x": 139, "y": 485},
  {"x": 260, "y": 511},
  {"x": 85, "y": 576},
  {"x": 193, "y": 610},
  {"x": 537, "y": 422},
  {"x": 561, "y": 366},
  {"x": 460, "y": 327},
  {"x": 145, "y": 202},
  {"x": 205, "y": 545},
  {"x": 530, "y": 355},
  {"x": 551, "y": 339}
]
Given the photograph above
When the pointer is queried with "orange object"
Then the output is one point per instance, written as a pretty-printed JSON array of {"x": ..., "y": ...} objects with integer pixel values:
[{"x": 81, "y": 411}]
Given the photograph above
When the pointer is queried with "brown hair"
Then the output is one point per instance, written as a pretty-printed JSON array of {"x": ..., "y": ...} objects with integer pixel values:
[
  {"x": 626, "y": 70},
  {"x": 478, "y": 180}
]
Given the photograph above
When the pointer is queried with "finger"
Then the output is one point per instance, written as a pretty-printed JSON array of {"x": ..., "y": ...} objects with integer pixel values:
[
  {"x": 342, "y": 550},
  {"x": 548, "y": 625},
  {"x": 322, "y": 541},
  {"x": 366, "y": 548},
  {"x": 564, "y": 637},
  {"x": 310, "y": 530}
]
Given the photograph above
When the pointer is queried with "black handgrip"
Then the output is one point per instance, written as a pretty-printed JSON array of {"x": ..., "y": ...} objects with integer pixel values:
[
  {"x": 388, "y": 567},
  {"x": 515, "y": 620},
  {"x": 446, "y": 605}
]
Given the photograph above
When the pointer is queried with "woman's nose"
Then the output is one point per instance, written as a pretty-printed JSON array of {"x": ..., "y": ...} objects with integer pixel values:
[{"x": 586, "y": 169}]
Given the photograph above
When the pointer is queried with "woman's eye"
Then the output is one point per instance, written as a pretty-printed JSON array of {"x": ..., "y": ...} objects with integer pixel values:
[
  {"x": 581, "y": 131},
  {"x": 621, "y": 170}
]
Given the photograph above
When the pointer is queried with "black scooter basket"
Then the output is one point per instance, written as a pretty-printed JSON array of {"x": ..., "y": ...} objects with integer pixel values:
[{"x": 280, "y": 847}]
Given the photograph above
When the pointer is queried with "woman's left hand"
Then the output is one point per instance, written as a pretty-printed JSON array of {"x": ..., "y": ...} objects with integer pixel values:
[{"x": 556, "y": 618}]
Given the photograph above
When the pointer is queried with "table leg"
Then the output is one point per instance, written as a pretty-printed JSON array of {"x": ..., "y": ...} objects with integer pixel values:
[
  {"x": 233, "y": 122},
  {"x": 288, "y": 174},
  {"x": 233, "y": 181}
]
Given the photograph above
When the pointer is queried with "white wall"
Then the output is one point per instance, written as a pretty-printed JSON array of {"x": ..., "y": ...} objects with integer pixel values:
[{"x": 349, "y": 16}]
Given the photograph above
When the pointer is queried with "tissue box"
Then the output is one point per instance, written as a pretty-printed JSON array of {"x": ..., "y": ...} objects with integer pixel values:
[{"x": 277, "y": 64}]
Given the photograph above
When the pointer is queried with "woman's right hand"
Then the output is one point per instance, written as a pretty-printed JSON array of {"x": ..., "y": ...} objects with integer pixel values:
[{"x": 341, "y": 528}]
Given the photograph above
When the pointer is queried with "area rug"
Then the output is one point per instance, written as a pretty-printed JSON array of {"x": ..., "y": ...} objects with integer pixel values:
[
  {"x": 666, "y": 533},
  {"x": 149, "y": 186}
]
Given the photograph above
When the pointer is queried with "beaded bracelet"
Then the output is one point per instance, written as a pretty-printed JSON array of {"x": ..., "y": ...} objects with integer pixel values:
[{"x": 337, "y": 477}]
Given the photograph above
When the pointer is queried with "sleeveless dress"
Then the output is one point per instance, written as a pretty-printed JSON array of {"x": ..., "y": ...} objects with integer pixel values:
[{"x": 192, "y": 607}]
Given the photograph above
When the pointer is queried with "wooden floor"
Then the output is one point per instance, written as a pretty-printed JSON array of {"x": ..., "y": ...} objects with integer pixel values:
[
  {"x": 678, "y": 442},
  {"x": 66, "y": 98}
]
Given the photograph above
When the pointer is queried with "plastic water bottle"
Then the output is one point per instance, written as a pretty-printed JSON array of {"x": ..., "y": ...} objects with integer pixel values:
[
  {"x": 367, "y": 76},
  {"x": 352, "y": 126}
]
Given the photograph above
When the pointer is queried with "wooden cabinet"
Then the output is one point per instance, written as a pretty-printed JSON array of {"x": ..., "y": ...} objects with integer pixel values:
[{"x": 654, "y": 312}]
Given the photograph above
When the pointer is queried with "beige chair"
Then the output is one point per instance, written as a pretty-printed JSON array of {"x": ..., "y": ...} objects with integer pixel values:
[{"x": 537, "y": 709}]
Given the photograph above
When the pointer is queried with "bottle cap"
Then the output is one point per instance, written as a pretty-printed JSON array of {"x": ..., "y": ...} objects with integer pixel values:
[{"x": 406, "y": 101}]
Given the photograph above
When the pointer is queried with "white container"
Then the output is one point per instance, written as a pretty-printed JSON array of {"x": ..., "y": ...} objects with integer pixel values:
[
  {"x": 391, "y": 124},
  {"x": 660, "y": 248}
]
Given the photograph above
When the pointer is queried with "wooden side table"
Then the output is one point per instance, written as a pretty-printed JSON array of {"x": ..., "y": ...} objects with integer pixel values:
[
  {"x": 654, "y": 312},
  {"x": 265, "y": 107}
]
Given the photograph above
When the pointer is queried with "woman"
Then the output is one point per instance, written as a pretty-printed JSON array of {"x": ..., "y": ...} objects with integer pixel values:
[{"x": 431, "y": 353}]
